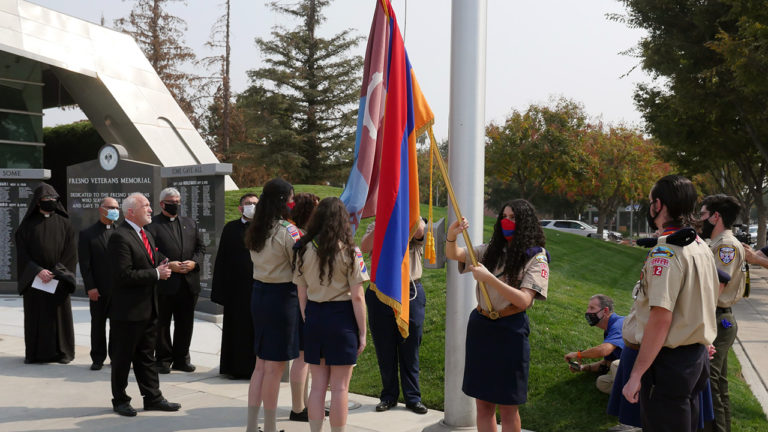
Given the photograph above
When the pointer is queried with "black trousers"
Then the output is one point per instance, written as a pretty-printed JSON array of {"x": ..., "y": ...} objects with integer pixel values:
[
  {"x": 99, "y": 346},
  {"x": 392, "y": 350},
  {"x": 669, "y": 392},
  {"x": 181, "y": 308},
  {"x": 133, "y": 342}
]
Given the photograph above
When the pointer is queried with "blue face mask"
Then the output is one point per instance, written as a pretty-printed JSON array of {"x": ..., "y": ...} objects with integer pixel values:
[{"x": 113, "y": 214}]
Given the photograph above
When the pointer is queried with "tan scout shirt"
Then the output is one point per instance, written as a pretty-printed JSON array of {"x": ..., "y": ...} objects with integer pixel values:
[
  {"x": 729, "y": 257},
  {"x": 346, "y": 274},
  {"x": 630, "y": 321},
  {"x": 415, "y": 253},
  {"x": 683, "y": 280},
  {"x": 535, "y": 276},
  {"x": 273, "y": 263}
]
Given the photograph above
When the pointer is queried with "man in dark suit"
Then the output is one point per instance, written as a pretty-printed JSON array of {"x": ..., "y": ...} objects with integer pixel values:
[
  {"x": 137, "y": 266},
  {"x": 97, "y": 275},
  {"x": 178, "y": 239}
]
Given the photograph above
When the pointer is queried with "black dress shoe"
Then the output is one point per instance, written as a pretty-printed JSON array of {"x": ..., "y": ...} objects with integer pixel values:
[
  {"x": 162, "y": 369},
  {"x": 125, "y": 409},
  {"x": 299, "y": 416},
  {"x": 96, "y": 366},
  {"x": 162, "y": 405},
  {"x": 417, "y": 407},
  {"x": 385, "y": 405},
  {"x": 184, "y": 367}
]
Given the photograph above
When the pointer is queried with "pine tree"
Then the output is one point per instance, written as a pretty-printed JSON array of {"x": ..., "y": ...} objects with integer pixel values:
[
  {"x": 318, "y": 82},
  {"x": 160, "y": 36}
]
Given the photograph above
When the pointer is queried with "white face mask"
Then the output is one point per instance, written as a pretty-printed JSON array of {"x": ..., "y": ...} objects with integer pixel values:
[{"x": 249, "y": 210}]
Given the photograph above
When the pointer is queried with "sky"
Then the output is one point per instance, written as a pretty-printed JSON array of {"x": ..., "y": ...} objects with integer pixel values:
[{"x": 536, "y": 50}]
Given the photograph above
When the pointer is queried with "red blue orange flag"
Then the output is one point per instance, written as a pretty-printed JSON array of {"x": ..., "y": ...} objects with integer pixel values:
[{"x": 384, "y": 178}]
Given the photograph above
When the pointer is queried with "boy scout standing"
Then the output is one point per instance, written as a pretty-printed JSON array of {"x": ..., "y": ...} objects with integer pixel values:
[
  {"x": 675, "y": 314},
  {"x": 718, "y": 212}
]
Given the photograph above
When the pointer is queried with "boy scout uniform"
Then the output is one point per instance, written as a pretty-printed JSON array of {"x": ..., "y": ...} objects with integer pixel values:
[
  {"x": 391, "y": 349},
  {"x": 729, "y": 257},
  {"x": 683, "y": 280},
  {"x": 272, "y": 264},
  {"x": 535, "y": 276},
  {"x": 347, "y": 272}
]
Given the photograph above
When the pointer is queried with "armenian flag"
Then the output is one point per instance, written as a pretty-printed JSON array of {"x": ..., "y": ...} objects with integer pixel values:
[{"x": 384, "y": 178}]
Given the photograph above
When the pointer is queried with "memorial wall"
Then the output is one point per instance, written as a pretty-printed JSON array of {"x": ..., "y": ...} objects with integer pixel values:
[{"x": 16, "y": 186}]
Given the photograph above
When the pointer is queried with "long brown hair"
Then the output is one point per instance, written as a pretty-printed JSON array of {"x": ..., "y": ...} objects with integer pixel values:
[
  {"x": 272, "y": 206},
  {"x": 328, "y": 229},
  {"x": 514, "y": 253}
]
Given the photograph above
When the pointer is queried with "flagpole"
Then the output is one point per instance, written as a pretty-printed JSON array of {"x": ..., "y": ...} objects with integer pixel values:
[{"x": 466, "y": 160}]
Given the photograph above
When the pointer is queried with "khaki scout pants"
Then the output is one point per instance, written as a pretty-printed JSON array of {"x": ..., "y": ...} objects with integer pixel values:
[
  {"x": 604, "y": 383},
  {"x": 718, "y": 373}
]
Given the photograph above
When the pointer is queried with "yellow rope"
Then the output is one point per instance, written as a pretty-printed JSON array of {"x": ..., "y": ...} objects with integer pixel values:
[{"x": 429, "y": 247}]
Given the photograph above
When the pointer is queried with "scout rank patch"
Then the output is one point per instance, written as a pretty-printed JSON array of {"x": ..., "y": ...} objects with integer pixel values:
[
  {"x": 726, "y": 254},
  {"x": 359, "y": 256}
]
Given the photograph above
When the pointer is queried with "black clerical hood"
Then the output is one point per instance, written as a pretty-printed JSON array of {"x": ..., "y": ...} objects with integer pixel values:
[{"x": 44, "y": 189}]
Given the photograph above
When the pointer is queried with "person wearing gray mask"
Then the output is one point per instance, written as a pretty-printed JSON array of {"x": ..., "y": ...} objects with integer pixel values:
[{"x": 97, "y": 275}]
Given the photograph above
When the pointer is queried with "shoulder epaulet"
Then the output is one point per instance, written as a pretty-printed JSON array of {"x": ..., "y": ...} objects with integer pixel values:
[
  {"x": 535, "y": 250},
  {"x": 647, "y": 242}
]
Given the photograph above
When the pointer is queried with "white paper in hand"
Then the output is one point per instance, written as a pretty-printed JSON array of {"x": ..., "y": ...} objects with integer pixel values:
[{"x": 49, "y": 287}]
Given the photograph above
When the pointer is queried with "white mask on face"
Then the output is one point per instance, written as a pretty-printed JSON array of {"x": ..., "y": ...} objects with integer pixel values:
[{"x": 249, "y": 210}]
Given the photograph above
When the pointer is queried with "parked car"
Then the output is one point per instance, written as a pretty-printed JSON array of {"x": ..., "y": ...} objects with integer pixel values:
[{"x": 578, "y": 228}]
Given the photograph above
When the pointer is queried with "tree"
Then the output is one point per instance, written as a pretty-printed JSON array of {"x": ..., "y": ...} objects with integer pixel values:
[
  {"x": 160, "y": 36},
  {"x": 439, "y": 190},
  {"x": 704, "y": 109},
  {"x": 614, "y": 167},
  {"x": 220, "y": 124},
  {"x": 534, "y": 148},
  {"x": 318, "y": 83}
]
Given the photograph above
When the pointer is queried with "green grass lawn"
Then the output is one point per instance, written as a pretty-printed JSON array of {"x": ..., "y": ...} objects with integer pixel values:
[{"x": 557, "y": 399}]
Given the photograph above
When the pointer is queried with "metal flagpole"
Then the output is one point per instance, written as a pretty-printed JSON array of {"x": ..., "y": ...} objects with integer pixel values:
[{"x": 466, "y": 159}]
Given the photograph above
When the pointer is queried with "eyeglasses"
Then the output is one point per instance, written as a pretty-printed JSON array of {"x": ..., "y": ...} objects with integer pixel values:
[
  {"x": 172, "y": 202},
  {"x": 111, "y": 207}
]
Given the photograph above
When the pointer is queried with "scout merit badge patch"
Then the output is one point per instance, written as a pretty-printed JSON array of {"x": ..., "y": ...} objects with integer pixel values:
[{"x": 726, "y": 254}]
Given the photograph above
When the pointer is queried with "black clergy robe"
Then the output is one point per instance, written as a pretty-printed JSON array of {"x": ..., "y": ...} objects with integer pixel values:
[
  {"x": 231, "y": 288},
  {"x": 47, "y": 243}
]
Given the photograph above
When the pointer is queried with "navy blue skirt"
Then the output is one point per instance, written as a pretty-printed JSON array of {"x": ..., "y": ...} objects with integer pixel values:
[
  {"x": 629, "y": 413},
  {"x": 276, "y": 318},
  {"x": 330, "y": 333},
  {"x": 497, "y": 359}
]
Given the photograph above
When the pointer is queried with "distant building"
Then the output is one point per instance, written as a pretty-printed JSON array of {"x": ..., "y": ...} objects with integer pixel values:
[{"x": 49, "y": 59}]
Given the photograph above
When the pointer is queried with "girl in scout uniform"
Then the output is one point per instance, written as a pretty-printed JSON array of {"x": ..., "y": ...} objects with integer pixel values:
[
  {"x": 304, "y": 206},
  {"x": 498, "y": 353},
  {"x": 274, "y": 303},
  {"x": 329, "y": 273}
]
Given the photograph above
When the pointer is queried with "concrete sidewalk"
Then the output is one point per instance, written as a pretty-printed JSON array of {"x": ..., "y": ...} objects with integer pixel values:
[
  {"x": 55, "y": 397},
  {"x": 751, "y": 346}
]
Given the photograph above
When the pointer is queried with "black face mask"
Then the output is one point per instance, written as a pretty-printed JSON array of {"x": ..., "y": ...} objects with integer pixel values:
[
  {"x": 592, "y": 318},
  {"x": 706, "y": 229},
  {"x": 651, "y": 217},
  {"x": 48, "y": 206},
  {"x": 171, "y": 209}
]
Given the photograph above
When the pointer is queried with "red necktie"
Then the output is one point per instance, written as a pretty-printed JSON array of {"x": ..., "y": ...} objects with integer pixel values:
[{"x": 146, "y": 245}]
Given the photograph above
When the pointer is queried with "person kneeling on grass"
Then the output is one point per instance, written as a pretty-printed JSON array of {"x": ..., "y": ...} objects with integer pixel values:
[{"x": 600, "y": 314}]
